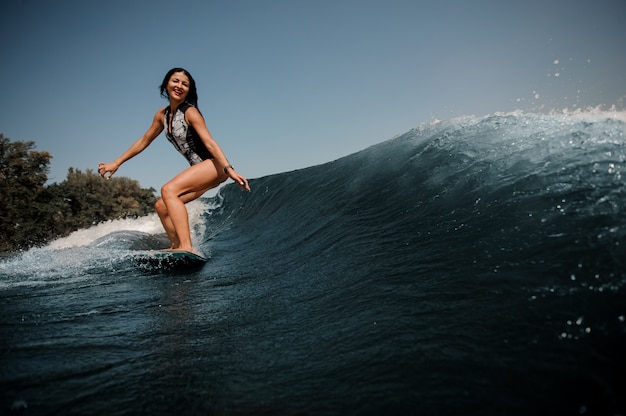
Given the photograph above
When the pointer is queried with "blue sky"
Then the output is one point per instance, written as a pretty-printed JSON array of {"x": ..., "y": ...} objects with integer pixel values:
[{"x": 284, "y": 85}]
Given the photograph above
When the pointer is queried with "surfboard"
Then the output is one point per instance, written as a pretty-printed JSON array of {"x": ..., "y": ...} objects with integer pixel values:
[{"x": 169, "y": 259}]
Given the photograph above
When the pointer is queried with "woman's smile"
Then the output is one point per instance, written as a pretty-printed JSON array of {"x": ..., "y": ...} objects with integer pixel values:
[{"x": 179, "y": 86}]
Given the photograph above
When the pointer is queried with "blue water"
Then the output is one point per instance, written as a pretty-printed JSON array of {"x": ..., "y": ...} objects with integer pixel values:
[{"x": 473, "y": 266}]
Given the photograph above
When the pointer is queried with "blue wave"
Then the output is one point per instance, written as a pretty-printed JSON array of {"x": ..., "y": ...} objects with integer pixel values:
[
  {"x": 499, "y": 192},
  {"x": 485, "y": 244},
  {"x": 470, "y": 266}
]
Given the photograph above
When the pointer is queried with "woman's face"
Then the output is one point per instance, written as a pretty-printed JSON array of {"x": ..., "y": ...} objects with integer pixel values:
[{"x": 178, "y": 86}]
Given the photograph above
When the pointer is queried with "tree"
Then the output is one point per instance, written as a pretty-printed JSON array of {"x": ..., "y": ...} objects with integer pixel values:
[
  {"x": 85, "y": 199},
  {"x": 23, "y": 173},
  {"x": 33, "y": 213}
]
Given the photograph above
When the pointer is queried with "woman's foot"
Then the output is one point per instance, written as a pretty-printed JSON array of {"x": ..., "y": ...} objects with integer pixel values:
[{"x": 189, "y": 250}]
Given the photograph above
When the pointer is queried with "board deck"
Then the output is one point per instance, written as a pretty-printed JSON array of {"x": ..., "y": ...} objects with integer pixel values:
[{"x": 169, "y": 259}]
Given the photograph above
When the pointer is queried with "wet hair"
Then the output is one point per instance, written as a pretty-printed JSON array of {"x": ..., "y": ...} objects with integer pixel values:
[{"x": 192, "y": 96}]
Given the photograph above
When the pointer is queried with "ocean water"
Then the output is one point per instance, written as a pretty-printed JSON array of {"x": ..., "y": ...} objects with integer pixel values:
[{"x": 474, "y": 266}]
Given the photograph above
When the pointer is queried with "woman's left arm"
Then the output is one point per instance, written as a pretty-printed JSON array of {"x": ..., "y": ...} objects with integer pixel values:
[{"x": 195, "y": 120}]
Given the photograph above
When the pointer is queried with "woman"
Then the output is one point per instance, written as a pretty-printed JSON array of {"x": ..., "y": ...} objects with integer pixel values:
[{"x": 186, "y": 130}]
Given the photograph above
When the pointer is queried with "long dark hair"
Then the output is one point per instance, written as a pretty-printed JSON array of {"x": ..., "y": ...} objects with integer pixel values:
[{"x": 192, "y": 96}]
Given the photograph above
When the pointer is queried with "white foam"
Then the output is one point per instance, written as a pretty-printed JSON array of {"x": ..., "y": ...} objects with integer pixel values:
[{"x": 149, "y": 224}]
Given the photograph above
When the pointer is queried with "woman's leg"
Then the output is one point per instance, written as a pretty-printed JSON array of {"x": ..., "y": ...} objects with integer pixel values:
[
  {"x": 164, "y": 215},
  {"x": 185, "y": 187}
]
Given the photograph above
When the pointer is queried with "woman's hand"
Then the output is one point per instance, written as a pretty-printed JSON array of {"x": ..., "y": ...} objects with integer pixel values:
[
  {"x": 107, "y": 168},
  {"x": 241, "y": 181}
]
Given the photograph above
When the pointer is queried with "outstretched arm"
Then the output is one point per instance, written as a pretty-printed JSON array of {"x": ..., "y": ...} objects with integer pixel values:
[
  {"x": 195, "y": 119},
  {"x": 106, "y": 170}
]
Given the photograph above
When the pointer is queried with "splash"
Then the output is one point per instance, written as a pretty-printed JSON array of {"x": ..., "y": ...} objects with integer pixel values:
[
  {"x": 106, "y": 249},
  {"x": 149, "y": 224}
]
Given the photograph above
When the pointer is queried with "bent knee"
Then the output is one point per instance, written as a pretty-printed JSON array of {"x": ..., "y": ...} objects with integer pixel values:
[
  {"x": 160, "y": 207},
  {"x": 168, "y": 190}
]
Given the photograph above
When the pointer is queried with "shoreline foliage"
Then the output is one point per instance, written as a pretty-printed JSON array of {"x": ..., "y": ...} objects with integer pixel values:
[{"x": 34, "y": 213}]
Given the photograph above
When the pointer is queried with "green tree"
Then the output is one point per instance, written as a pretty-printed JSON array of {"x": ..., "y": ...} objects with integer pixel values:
[
  {"x": 85, "y": 199},
  {"x": 33, "y": 213},
  {"x": 23, "y": 173}
]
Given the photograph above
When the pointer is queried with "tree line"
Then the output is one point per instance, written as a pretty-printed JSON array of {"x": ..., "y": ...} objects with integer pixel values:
[{"x": 34, "y": 213}]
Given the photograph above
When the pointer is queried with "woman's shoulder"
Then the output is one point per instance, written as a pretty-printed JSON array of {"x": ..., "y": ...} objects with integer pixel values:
[
  {"x": 161, "y": 111},
  {"x": 189, "y": 109},
  {"x": 192, "y": 111},
  {"x": 184, "y": 107},
  {"x": 160, "y": 114}
]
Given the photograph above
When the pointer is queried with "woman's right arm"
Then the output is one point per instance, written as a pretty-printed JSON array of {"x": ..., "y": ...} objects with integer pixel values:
[{"x": 144, "y": 141}]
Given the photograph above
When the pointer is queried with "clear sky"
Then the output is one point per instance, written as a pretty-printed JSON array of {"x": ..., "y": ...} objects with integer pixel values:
[{"x": 287, "y": 84}]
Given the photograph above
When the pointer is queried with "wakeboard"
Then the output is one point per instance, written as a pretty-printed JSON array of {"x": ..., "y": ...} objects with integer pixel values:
[{"x": 168, "y": 259}]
